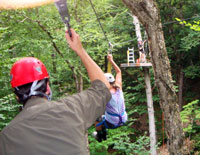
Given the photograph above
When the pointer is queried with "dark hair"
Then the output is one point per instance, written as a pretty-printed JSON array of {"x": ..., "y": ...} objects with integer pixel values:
[
  {"x": 114, "y": 85},
  {"x": 23, "y": 91}
]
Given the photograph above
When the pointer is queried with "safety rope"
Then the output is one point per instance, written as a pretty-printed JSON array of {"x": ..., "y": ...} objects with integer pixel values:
[
  {"x": 109, "y": 43},
  {"x": 108, "y": 66}
]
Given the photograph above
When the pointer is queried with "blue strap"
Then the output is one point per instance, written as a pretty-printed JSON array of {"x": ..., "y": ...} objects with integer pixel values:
[
  {"x": 117, "y": 115},
  {"x": 103, "y": 122},
  {"x": 100, "y": 123}
]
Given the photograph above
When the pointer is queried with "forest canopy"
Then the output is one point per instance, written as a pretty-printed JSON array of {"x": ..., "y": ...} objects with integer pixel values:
[{"x": 39, "y": 32}]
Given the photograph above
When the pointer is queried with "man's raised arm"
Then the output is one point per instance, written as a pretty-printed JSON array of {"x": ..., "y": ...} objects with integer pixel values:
[{"x": 94, "y": 71}]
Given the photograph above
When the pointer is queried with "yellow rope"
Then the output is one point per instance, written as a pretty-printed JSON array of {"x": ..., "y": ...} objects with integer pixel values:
[{"x": 109, "y": 67}]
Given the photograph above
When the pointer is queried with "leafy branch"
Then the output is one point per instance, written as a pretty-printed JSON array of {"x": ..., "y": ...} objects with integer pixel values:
[
  {"x": 193, "y": 26},
  {"x": 78, "y": 83}
]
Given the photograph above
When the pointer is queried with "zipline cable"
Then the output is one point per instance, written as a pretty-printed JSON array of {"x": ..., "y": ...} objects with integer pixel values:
[
  {"x": 143, "y": 29},
  {"x": 170, "y": 22},
  {"x": 124, "y": 42},
  {"x": 109, "y": 43},
  {"x": 108, "y": 66}
]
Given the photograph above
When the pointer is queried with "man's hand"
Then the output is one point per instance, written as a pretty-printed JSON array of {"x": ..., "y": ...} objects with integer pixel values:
[{"x": 74, "y": 41}]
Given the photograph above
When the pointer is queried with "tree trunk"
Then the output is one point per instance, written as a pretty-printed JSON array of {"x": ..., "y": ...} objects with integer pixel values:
[
  {"x": 53, "y": 56},
  {"x": 148, "y": 14},
  {"x": 180, "y": 92}
]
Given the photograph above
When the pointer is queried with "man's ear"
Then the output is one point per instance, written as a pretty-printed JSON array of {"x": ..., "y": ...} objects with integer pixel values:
[{"x": 48, "y": 91}]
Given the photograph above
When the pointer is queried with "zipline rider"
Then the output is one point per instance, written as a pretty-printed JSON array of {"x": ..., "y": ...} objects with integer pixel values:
[{"x": 53, "y": 127}]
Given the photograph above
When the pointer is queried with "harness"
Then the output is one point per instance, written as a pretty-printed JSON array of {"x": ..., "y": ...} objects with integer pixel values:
[{"x": 109, "y": 125}]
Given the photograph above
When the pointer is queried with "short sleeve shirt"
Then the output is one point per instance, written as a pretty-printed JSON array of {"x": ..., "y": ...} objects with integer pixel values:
[{"x": 57, "y": 127}]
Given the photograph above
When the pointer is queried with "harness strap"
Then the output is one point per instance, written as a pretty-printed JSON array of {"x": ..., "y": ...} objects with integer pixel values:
[
  {"x": 103, "y": 122},
  {"x": 37, "y": 84},
  {"x": 117, "y": 115}
]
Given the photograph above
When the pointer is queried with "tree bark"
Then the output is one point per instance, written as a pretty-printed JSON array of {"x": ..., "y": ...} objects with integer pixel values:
[
  {"x": 53, "y": 56},
  {"x": 148, "y": 14},
  {"x": 180, "y": 92}
]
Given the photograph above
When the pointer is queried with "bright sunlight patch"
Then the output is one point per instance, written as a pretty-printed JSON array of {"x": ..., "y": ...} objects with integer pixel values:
[{"x": 20, "y": 4}]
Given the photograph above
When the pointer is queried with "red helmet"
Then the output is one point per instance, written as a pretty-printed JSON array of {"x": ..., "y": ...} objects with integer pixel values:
[{"x": 27, "y": 70}]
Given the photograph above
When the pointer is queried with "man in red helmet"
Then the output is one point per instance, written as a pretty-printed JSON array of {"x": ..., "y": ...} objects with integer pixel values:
[{"x": 46, "y": 127}]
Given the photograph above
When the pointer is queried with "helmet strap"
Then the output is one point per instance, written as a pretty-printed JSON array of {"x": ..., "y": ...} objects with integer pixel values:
[
  {"x": 49, "y": 96},
  {"x": 37, "y": 85}
]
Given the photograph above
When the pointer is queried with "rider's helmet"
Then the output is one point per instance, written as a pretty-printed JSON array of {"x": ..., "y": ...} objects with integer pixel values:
[{"x": 109, "y": 77}]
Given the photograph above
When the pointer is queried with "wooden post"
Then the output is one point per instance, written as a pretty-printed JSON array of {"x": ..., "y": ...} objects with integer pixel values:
[{"x": 152, "y": 129}]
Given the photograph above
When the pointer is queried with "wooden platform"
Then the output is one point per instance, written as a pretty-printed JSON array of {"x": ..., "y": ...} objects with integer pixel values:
[{"x": 136, "y": 65}]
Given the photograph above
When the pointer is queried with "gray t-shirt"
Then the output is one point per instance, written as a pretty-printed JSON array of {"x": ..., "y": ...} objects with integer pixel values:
[{"x": 57, "y": 127}]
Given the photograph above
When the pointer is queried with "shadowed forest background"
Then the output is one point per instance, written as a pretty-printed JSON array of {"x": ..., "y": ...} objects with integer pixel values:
[{"x": 39, "y": 32}]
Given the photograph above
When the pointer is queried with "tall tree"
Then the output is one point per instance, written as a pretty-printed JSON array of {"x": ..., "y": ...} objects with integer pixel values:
[
  {"x": 179, "y": 56},
  {"x": 148, "y": 14}
]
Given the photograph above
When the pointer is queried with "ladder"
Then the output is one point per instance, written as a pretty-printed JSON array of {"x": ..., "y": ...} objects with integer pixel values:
[{"x": 130, "y": 56}]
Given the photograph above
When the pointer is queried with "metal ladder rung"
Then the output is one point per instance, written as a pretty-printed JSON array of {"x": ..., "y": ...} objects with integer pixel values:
[{"x": 130, "y": 56}]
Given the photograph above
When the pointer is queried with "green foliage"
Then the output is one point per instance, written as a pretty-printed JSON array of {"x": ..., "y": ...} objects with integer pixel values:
[
  {"x": 195, "y": 26},
  {"x": 192, "y": 72},
  {"x": 22, "y": 34},
  {"x": 120, "y": 141},
  {"x": 8, "y": 105},
  {"x": 139, "y": 147},
  {"x": 191, "y": 115},
  {"x": 8, "y": 110},
  {"x": 182, "y": 42},
  {"x": 191, "y": 119},
  {"x": 190, "y": 41}
]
